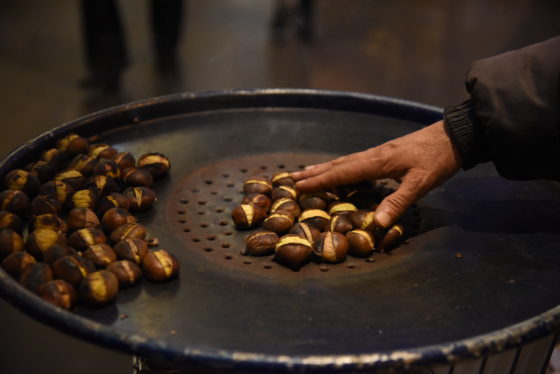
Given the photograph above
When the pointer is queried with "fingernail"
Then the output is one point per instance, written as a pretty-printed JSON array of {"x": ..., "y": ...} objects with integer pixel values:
[
  {"x": 295, "y": 174},
  {"x": 383, "y": 219},
  {"x": 309, "y": 167}
]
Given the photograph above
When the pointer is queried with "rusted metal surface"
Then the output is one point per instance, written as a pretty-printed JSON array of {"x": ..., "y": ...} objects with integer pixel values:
[{"x": 200, "y": 215}]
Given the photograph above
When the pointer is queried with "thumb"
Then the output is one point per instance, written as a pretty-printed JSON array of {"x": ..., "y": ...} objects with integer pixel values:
[{"x": 395, "y": 204}]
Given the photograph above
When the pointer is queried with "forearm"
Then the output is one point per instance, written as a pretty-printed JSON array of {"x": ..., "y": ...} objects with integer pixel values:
[{"x": 512, "y": 117}]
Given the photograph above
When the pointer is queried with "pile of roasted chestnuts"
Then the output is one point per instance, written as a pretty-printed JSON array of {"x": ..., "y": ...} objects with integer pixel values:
[
  {"x": 323, "y": 227},
  {"x": 67, "y": 229}
]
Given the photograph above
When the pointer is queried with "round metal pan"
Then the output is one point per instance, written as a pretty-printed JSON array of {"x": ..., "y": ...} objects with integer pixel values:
[{"x": 421, "y": 304}]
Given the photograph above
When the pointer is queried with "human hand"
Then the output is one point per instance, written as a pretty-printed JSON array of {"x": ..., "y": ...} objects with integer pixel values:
[{"x": 420, "y": 160}]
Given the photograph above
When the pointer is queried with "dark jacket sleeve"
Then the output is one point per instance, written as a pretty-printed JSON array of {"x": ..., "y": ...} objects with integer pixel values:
[{"x": 513, "y": 115}]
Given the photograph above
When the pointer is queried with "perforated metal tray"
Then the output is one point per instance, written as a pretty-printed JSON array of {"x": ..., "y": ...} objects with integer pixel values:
[{"x": 420, "y": 305}]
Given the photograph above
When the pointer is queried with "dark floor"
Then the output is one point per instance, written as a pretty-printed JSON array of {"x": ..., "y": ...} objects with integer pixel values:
[{"x": 412, "y": 50}]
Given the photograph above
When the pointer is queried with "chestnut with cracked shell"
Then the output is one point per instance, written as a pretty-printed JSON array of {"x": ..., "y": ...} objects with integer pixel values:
[
  {"x": 247, "y": 216},
  {"x": 293, "y": 251}
]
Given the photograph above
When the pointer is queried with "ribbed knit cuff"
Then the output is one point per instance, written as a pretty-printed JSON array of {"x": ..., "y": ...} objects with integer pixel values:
[{"x": 466, "y": 133}]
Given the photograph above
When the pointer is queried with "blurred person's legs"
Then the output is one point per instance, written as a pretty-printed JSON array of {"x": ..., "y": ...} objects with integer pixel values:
[
  {"x": 288, "y": 13},
  {"x": 166, "y": 24},
  {"x": 105, "y": 47}
]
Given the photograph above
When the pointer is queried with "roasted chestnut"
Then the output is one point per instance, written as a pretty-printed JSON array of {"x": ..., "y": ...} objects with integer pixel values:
[
  {"x": 14, "y": 201},
  {"x": 72, "y": 269},
  {"x": 59, "y": 293},
  {"x": 156, "y": 163},
  {"x": 279, "y": 222},
  {"x": 71, "y": 176},
  {"x": 84, "y": 163},
  {"x": 124, "y": 160},
  {"x": 112, "y": 200},
  {"x": 16, "y": 262},
  {"x": 132, "y": 250},
  {"x": 9, "y": 220},
  {"x": 287, "y": 205},
  {"x": 307, "y": 201},
  {"x": 10, "y": 241},
  {"x": 282, "y": 179},
  {"x": 40, "y": 240},
  {"x": 261, "y": 243},
  {"x": 137, "y": 177},
  {"x": 392, "y": 238},
  {"x": 318, "y": 217},
  {"x": 35, "y": 275},
  {"x": 80, "y": 218},
  {"x": 257, "y": 185},
  {"x": 43, "y": 204},
  {"x": 57, "y": 190},
  {"x": 331, "y": 246},
  {"x": 100, "y": 254},
  {"x": 72, "y": 144},
  {"x": 84, "y": 199},
  {"x": 363, "y": 220},
  {"x": 83, "y": 238},
  {"x": 284, "y": 192},
  {"x": 360, "y": 243},
  {"x": 107, "y": 167},
  {"x": 103, "y": 184},
  {"x": 247, "y": 216},
  {"x": 160, "y": 266},
  {"x": 127, "y": 273},
  {"x": 140, "y": 198},
  {"x": 22, "y": 180},
  {"x": 55, "y": 157},
  {"x": 306, "y": 230},
  {"x": 99, "y": 288},
  {"x": 258, "y": 199},
  {"x": 42, "y": 170},
  {"x": 340, "y": 223},
  {"x": 102, "y": 151},
  {"x": 129, "y": 230},
  {"x": 293, "y": 251},
  {"x": 115, "y": 217},
  {"x": 341, "y": 207}
]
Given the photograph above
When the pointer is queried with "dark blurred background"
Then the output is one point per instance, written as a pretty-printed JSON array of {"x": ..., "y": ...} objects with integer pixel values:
[{"x": 62, "y": 59}]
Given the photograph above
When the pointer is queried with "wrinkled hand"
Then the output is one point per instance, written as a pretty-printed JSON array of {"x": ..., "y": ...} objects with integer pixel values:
[{"x": 420, "y": 160}]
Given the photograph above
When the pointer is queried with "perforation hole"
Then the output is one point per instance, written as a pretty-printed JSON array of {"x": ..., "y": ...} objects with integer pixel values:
[
  {"x": 211, "y": 237},
  {"x": 182, "y": 221},
  {"x": 267, "y": 266},
  {"x": 196, "y": 240},
  {"x": 226, "y": 245},
  {"x": 204, "y": 225},
  {"x": 181, "y": 212},
  {"x": 208, "y": 182},
  {"x": 184, "y": 201},
  {"x": 208, "y": 249},
  {"x": 220, "y": 210},
  {"x": 264, "y": 167},
  {"x": 187, "y": 229},
  {"x": 243, "y": 170},
  {"x": 228, "y": 256},
  {"x": 281, "y": 166},
  {"x": 228, "y": 199},
  {"x": 201, "y": 213},
  {"x": 230, "y": 185},
  {"x": 247, "y": 262},
  {"x": 228, "y": 233},
  {"x": 223, "y": 223}
]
